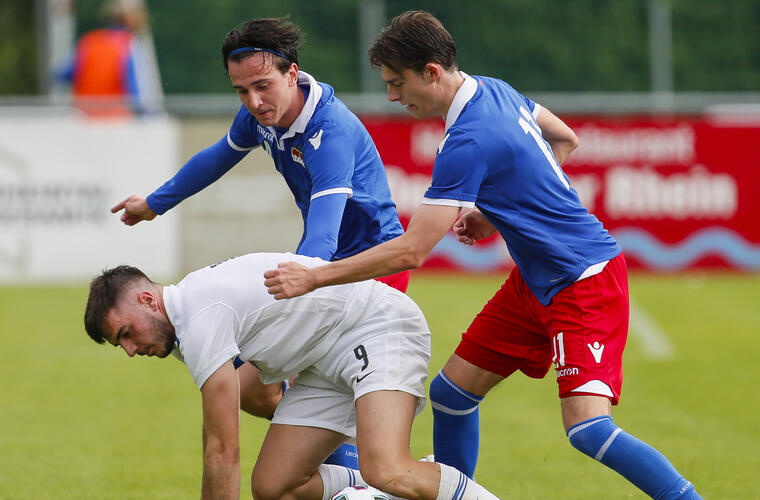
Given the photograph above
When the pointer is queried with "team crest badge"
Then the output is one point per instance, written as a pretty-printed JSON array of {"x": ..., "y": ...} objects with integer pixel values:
[{"x": 297, "y": 155}]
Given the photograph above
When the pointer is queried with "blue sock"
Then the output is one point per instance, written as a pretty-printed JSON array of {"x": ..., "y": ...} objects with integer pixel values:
[
  {"x": 632, "y": 458},
  {"x": 345, "y": 455},
  {"x": 456, "y": 425}
]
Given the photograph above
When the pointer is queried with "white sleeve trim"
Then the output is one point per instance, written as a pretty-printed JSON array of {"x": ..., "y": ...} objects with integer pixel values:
[
  {"x": 448, "y": 203},
  {"x": 235, "y": 146},
  {"x": 348, "y": 191},
  {"x": 536, "y": 110}
]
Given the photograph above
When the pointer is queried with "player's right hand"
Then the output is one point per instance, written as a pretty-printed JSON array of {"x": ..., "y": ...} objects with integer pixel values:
[
  {"x": 290, "y": 279},
  {"x": 135, "y": 209}
]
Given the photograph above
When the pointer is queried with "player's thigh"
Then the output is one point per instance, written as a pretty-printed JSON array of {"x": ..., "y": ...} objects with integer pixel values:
[
  {"x": 257, "y": 398},
  {"x": 290, "y": 456},
  {"x": 383, "y": 426},
  {"x": 504, "y": 337}
]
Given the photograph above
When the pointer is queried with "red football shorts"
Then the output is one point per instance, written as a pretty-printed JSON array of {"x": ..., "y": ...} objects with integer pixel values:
[
  {"x": 583, "y": 332},
  {"x": 399, "y": 281}
]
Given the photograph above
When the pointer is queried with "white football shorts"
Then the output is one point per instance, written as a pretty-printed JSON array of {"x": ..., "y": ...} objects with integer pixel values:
[{"x": 388, "y": 350}]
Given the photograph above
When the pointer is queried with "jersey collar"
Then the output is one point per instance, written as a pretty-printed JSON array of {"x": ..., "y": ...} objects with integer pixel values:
[
  {"x": 298, "y": 126},
  {"x": 462, "y": 97}
]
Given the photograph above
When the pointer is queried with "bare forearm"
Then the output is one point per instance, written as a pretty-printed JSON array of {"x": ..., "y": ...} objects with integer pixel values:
[
  {"x": 221, "y": 476},
  {"x": 388, "y": 258}
]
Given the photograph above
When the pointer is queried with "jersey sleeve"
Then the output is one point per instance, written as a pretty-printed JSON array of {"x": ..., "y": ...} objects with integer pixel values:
[
  {"x": 329, "y": 157},
  {"x": 206, "y": 167},
  {"x": 459, "y": 169},
  {"x": 209, "y": 341},
  {"x": 242, "y": 135},
  {"x": 533, "y": 107},
  {"x": 322, "y": 226}
]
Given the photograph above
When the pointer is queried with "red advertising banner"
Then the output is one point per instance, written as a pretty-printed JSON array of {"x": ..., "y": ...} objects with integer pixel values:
[{"x": 677, "y": 192}]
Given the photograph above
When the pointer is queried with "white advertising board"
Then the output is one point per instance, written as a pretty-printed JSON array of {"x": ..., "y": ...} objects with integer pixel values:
[{"x": 60, "y": 176}]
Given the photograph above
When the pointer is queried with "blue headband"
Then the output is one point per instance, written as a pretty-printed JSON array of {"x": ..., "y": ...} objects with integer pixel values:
[{"x": 257, "y": 49}]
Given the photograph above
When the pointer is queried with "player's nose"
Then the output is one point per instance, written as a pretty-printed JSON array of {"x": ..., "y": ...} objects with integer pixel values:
[
  {"x": 393, "y": 94},
  {"x": 130, "y": 349},
  {"x": 254, "y": 100}
]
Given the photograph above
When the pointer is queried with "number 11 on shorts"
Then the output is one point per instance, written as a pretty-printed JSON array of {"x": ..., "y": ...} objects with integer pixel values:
[{"x": 558, "y": 349}]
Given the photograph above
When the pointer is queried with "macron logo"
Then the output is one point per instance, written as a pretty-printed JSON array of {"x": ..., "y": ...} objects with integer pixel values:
[
  {"x": 596, "y": 350},
  {"x": 268, "y": 135},
  {"x": 316, "y": 139}
]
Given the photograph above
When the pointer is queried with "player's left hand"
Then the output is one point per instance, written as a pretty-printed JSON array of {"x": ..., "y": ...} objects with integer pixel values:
[
  {"x": 288, "y": 280},
  {"x": 473, "y": 226}
]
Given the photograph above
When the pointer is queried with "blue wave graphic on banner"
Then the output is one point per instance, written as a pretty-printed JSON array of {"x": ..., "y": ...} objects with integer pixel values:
[
  {"x": 480, "y": 258},
  {"x": 709, "y": 241},
  {"x": 635, "y": 242}
]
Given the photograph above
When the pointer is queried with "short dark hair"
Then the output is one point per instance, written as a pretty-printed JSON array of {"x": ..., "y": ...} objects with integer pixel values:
[
  {"x": 105, "y": 291},
  {"x": 412, "y": 40},
  {"x": 273, "y": 33}
]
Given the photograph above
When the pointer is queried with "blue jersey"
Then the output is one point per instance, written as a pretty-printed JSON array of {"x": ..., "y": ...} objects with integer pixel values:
[
  {"x": 493, "y": 156},
  {"x": 326, "y": 151},
  {"x": 329, "y": 162}
]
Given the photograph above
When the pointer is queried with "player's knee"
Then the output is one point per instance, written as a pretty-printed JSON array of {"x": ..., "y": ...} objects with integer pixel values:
[
  {"x": 267, "y": 486},
  {"x": 264, "y": 490},
  {"x": 448, "y": 397},
  {"x": 391, "y": 476},
  {"x": 590, "y": 436}
]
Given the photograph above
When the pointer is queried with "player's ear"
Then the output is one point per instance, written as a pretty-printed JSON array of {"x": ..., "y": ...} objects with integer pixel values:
[
  {"x": 432, "y": 72},
  {"x": 293, "y": 74},
  {"x": 146, "y": 298}
]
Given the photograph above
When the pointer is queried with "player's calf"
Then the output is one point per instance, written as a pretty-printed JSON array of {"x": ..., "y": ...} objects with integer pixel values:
[
  {"x": 456, "y": 424},
  {"x": 412, "y": 480},
  {"x": 642, "y": 465}
]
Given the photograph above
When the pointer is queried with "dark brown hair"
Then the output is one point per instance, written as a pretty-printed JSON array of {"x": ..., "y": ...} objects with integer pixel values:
[
  {"x": 412, "y": 40},
  {"x": 105, "y": 291},
  {"x": 271, "y": 33}
]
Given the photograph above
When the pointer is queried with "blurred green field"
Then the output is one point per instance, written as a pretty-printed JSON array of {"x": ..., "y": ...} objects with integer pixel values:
[{"x": 83, "y": 421}]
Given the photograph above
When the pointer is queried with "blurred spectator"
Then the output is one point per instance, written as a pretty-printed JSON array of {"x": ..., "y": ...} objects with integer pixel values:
[{"x": 113, "y": 71}]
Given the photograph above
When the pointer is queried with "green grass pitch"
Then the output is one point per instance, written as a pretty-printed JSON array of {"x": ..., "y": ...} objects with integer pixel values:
[{"x": 83, "y": 421}]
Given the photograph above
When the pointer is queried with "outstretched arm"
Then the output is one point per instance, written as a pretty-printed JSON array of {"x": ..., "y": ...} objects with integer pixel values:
[
  {"x": 408, "y": 251},
  {"x": 560, "y": 137},
  {"x": 200, "y": 171},
  {"x": 221, "y": 424}
]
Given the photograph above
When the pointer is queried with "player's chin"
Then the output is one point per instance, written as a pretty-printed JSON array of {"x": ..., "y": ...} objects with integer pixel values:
[{"x": 166, "y": 349}]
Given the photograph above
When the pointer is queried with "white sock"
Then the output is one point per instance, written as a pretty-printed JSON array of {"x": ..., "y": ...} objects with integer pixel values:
[
  {"x": 337, "y": 477},
  {"x": 456, "y": 486}
]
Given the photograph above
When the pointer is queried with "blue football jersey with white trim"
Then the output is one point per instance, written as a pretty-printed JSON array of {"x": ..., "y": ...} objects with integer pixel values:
[
  {"x": 494, "y": 157},
  {"x": 326, "y": 151}
]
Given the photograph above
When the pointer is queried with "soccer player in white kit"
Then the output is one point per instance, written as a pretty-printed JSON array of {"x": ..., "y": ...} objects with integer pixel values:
[{"x": 360, "y": 350}]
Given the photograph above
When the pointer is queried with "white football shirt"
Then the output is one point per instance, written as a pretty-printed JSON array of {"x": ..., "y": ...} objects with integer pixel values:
[{"x": 224, "y": 310}]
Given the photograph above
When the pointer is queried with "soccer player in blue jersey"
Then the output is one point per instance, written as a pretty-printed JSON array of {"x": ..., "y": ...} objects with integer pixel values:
[
  {"x": 322, "y": 149},
  {"x": 566, "y": 302}
]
